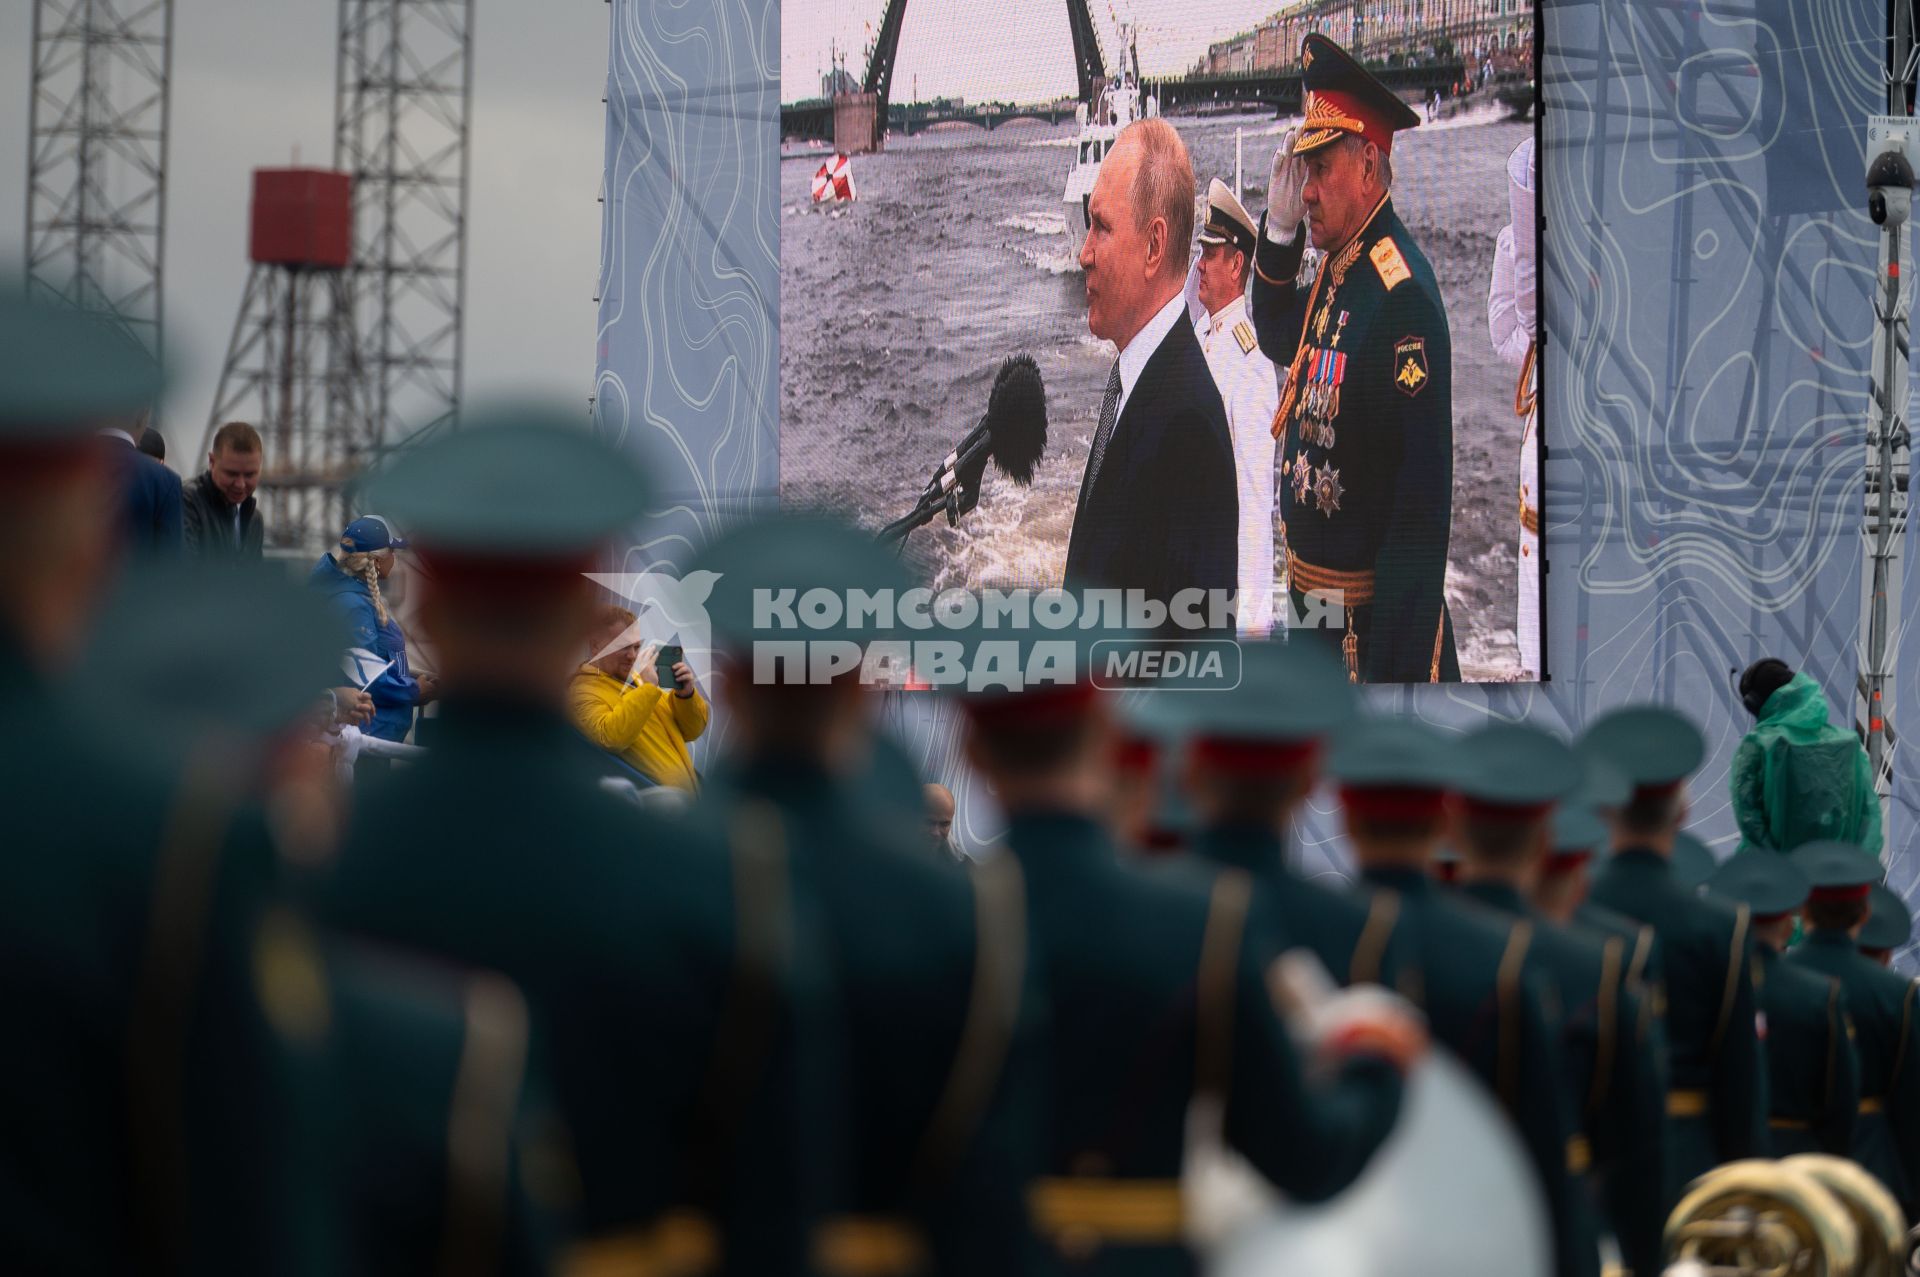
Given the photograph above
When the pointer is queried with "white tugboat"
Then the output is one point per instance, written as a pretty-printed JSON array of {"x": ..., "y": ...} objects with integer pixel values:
[{"x": 1115, "y": 106}]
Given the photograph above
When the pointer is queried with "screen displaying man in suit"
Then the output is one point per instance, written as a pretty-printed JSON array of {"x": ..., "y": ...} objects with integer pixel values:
[{"x": 1158, "y": 509}]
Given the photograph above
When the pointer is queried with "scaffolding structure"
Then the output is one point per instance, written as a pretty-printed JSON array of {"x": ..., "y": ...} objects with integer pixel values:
[
  {"x": 97, "y": 157},
  {"x": 293, "y": 364},
  {"x": 403, "y": 93}
]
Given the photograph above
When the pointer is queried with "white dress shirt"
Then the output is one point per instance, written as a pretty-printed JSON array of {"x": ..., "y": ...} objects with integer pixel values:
[{"x": 1133, "y": 360}]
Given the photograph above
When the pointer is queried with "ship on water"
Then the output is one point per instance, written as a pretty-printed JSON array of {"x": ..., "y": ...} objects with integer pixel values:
[{"x": 1115, "y": 105}]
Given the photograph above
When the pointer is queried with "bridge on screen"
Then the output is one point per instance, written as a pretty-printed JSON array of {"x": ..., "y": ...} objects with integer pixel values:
[{"x": 853, "y": 121}]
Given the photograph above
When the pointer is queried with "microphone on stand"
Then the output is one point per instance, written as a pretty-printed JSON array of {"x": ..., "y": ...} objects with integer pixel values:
[{"x": 1012, "y": 433}]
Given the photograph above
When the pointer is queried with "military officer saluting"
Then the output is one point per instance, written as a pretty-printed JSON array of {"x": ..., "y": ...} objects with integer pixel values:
[
  {"x": 1717, "y": 1109},
  {"x": 1813, "y": 1071},
  {"x": 1615, "y": 1079},
  {"x": 1883, "y": 1008},
  {"x": 1217, "y": 298},
  {"x": 1365, "y": 423}
]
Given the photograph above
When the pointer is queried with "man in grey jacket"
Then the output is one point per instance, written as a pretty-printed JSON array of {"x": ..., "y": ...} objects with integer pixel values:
[{"x": 221, "y": 516}]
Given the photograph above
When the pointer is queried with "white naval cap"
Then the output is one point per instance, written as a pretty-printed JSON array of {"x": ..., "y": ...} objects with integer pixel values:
[{"x": 1228, "y": 221}]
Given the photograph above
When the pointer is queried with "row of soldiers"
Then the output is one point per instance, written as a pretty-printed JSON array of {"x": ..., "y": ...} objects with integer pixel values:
[{"x": 493, "y": 1018}]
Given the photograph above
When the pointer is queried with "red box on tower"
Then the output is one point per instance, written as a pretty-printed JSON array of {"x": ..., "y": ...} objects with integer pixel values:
[{"x": 302, "y": 217}]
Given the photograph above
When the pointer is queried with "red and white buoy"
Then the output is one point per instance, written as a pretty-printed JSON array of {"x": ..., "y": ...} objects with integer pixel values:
[{"x": 833, "y": 183}]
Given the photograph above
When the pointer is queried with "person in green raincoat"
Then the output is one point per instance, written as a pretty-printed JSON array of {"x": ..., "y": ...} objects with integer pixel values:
[{"x": 1796, "y": 777}]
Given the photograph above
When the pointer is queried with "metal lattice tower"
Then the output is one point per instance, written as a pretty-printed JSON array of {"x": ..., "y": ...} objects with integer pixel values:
[
  {"x": 403, "y": 88},
  {"x": 293, "y": 371},
  {"x": 293, "y": 365},
  {"x": 97, "y": 156}
]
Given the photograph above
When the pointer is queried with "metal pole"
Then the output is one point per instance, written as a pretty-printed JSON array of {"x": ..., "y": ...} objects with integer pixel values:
[
  {"x": 1887, "y": 448},
  {"x": 1886, "y": 463}
]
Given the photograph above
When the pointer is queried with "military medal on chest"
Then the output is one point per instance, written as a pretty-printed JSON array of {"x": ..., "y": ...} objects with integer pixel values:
[
  {"x": 1320, "y": 398},
  {"x": 1327, "y": 490}
]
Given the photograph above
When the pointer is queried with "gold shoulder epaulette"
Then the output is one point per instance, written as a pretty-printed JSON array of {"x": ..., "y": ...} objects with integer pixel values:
[
  {"x": 1386, "y": 259},
  {"x": 1243, "y": 333}
]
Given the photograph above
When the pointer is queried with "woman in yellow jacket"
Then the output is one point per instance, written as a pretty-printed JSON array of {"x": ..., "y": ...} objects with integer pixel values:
[{"x": 619, "y": 704}]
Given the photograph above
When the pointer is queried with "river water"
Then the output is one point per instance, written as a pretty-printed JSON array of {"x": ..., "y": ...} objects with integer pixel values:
[{"x": 896, "y": 311}]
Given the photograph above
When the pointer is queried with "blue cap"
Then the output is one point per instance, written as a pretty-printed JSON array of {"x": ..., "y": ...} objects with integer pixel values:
[
  {"x": 1767, "y": 882},
  {"x": 1650, "y": 745},
  {"x": 1889, "y": 921},
  {"x": 369, "y": 533},
  {"x": 1692, "y": 862}
]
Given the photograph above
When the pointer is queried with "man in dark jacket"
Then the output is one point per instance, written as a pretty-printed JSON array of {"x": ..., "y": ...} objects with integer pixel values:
[
  {"x": 1159, "y": 506},
  {"x": 149, "y": 492},
  {"x": 219, "y": 512}
]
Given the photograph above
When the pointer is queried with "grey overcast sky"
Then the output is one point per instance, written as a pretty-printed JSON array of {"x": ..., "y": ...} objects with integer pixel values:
[
  {"x": 253, "y": 79},
  {"x": 1011, "y": 50}
]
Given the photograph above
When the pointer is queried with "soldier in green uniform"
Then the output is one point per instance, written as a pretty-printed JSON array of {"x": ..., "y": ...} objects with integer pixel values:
[
  {"x": 937, "y": 994},
  {"x": 1889, "y": 925},
  {"x": 1464, "y": 966},
  {"x": 1882, "y": 1008},
  {"x": 1563, "y": 887},
  {"x": 1253, "y": 759},
  {"x": 1692, "y": 862},
  {"x": 679, "y": 996},
  {"x": 1615, "y": 1078},
  {"x": 1717, "y": 1109},
  {"x": 415, "y": 1101},
  {"x": 1366, "y": 412},
  {"x": 1158, "y": 979},
  {"x": 149, "y": 1121},
  {"x": 1813, "y": 1071}
]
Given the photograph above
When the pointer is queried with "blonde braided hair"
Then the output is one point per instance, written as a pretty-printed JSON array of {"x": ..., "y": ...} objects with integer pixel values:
[{"x": 361, "y": 566}]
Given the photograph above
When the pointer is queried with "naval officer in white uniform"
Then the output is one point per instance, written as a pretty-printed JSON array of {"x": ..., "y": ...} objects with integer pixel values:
[
  {"x": 1512, "y": 304},
  {"x": 1249, "y": 386}
]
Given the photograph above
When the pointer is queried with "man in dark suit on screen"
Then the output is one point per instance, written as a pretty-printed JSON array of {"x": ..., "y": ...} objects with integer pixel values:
[{"x": 1158, "y": 504}]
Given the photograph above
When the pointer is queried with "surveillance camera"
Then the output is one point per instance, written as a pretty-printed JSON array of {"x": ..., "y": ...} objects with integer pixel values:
[{"x": 1889, "y": 182}]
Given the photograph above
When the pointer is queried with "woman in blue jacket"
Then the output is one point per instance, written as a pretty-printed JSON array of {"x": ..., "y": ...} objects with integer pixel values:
[{"x": 352, "y": 581}]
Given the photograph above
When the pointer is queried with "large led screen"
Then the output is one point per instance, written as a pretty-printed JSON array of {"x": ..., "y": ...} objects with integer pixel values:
[{"x": 1022, "y": 333}]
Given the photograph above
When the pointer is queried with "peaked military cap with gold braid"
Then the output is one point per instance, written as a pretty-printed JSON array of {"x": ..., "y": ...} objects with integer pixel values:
[{"x": 1344, "y": 97}]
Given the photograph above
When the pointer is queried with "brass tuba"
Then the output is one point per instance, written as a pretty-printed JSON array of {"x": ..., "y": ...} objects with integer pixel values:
[
  {"x": 1806, "y": 1216},
  {"x": 1877, "y": 1219},
  {"x": 1757, "y": 1218}
]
